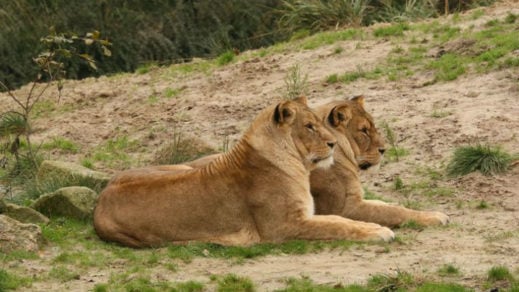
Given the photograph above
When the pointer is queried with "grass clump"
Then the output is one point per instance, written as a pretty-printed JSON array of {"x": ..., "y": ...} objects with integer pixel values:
[
  {"x": 392, "y": 30},
  {"x": 225, "y": 58},
  {"x": 499, "y": 273},
  {"x": 181, "y": 149},
  {"x": 62, "y": 144},
  {"x": 232, "y": 282},
  {"x": 296, "y": 84},
  {"x": 12, "y": 282},
  {"x": 448, "y": 270},
  {"x": 448, "y": 67},
  {"x": 486, "y": 159}
]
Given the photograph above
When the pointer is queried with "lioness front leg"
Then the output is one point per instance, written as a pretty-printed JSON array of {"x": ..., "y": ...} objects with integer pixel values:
[
  {"x": 392, "y": 215},
  {"x": 328, "y": 227}
]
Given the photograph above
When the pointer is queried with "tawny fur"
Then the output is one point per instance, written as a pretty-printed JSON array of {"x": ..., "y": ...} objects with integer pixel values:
[
  {"x": 258, "y": 192},
  {"x": 337, "y": 190}
]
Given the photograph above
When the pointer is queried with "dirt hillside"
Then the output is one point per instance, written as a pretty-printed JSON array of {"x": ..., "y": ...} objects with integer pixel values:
[{"x": 429, "y": 118}]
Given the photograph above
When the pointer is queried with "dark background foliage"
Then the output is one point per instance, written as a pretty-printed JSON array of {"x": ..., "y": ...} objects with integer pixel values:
[{"x": 170, "y": 31}]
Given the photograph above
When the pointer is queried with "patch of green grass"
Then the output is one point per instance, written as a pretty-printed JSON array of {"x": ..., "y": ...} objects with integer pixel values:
[
  {"x": 17, "y": 255},
  {"x": 448, "y": 270},
  {"x": 153, "y": 99},
  {"x": 338, "y": 50},
  {"x": 510, "y": 18},
  {"x": 334, "y": 78},
  {"x": 477, "y": 14},
  {"x": 172, "y": 92},
  {"x": 391, "y": 30},
  {"x": 395, "y": 153},
  {"x": 62, "y": 144},
  {"x": 225, "y": 58},
  {"x": 232, "y": 282},
  {"x": 402, "y": 281},
  {"x": 146, "y": 68},
  {"x": 306, "y": 284},
  {"x": 189, "y": 286},
  {"x": 68, "y": 232},
  {"x": 499, "y": 273},
  {"x": 189, "y": 251},
  {"x": 509, "y": 62},
  {"x": 9, "y": 281},
  {"x": 411, "y": 224},
  {"x": 114, "y": 152},
  {"x": 185, "y": 69},
  {"x": 63, "y": 274},
  {"x": 448, "y": 67},
  {"x": 369, "y": 195},
  {"x": 87, "y": 162},
  {"x": 398, "y": 184},
  {"x": 488, "y": 160},
  {"x": 330, "y": 37},
  {"x": 482, "y": 205},
  {"x": 442, "y": 287}
]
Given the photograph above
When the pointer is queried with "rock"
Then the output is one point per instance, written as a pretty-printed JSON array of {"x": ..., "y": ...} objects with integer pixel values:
[
  {"x": 70, "y": 202},
  {"x": 50, "y": 171},
  {"x": 24, "y": 214},
  {"x": 15, "y": 235}
]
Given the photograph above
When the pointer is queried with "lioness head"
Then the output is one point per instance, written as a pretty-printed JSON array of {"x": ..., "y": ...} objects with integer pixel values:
[
  {"x": 314, "y": 143},
  {"x": 350, "y": 119}
]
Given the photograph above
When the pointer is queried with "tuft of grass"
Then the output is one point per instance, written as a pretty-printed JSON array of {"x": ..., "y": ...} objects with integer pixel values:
[
  {"x": 114, "y": 152},
  {"x": 181, "y": 149},
  {"x": 411, "y": 224},
  {"x": 306, "y": 284},
  {"x": 391, "y": 30},
  {"x": 296, "y": 84},
  {"x": 146, "y": 68},
  {"x": 482, "y": 205},
  {"x": 398, "y": 184},
  {"x": 499, "y": 273},
  {"x": 488, "y": 160},
  {"x": 12, "y": 282},
  {"x": 448, "y": 67},
  {"x": 402, "y": 281},
  {"x": 448, "y": 270},
  {"x": 329, "y": 38},
  {"x": 62, "y": 144},
  {"x": 442, "y": 287},
  {"x": 34, "y": 188},
  {"x": 395, "y": 153},
  {"x": 172, "y": 92},
  {"x": 510, "y": 18},
  {"x": 334, "y": 78},
  {"x": 338, "y": 50},
  {"x": 225, "y": 58},
  {"x": 63, "y": 274},
  {"x": 232, "y": 282}
]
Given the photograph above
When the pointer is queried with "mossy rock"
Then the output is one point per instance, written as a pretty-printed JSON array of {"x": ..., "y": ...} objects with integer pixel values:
[
  {"x": 24, "y": 214},
  {"x": 70, "y": 202}
]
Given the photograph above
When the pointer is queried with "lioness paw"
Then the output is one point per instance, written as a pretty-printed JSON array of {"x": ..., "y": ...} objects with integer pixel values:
[
  {"x": 440, "y": 218},
  {"x": 381, "y": 234}
]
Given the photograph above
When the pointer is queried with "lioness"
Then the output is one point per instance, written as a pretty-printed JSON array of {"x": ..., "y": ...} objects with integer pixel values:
[
  {"x": 337, "y": 190},
  {"x": 257, "y": 192}
]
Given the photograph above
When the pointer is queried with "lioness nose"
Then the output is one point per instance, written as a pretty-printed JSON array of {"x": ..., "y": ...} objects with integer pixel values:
[
  {"x": 382, "y": 150},
  {"x": 331, "y": 144}
]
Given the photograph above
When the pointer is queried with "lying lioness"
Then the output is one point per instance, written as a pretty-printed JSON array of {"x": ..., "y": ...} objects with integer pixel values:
[
  {"x": 257, "y": 192},
  {"x": 337, "y": 190}
]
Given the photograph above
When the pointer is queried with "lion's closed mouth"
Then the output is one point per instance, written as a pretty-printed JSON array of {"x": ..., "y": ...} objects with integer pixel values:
[{"x": 319, "y": 159}]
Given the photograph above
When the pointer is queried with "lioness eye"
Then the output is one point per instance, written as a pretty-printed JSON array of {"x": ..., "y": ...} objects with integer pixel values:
[
  {"x": 365, "y": 130},
  {"x": 310, "y": 127}
]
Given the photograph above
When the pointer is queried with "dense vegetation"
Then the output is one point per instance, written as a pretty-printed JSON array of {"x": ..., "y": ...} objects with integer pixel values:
[{"x": 166, "y": 31}]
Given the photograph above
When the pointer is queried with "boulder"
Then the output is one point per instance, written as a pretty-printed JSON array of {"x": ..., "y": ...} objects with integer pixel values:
[
  {"x": 50, "y": 171},
  {"x": 24, "y": 214},
  {"x": 70, "y": 202},
  {"x": 15, "y": 235}
]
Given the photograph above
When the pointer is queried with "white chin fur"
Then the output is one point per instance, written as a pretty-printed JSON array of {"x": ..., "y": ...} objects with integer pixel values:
[{"x": 325, "y": 163}]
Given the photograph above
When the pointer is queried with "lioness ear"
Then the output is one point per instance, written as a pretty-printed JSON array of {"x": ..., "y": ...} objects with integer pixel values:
[
  {"x": 283, "y": 113},
  {"x": 359, "y": 99},
  {"x": 339, "y": 114},
  {"x": 302, "y": 99}
]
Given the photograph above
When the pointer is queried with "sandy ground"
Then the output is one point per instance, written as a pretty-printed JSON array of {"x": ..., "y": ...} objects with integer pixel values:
[{"x": 212, "y": 106}]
